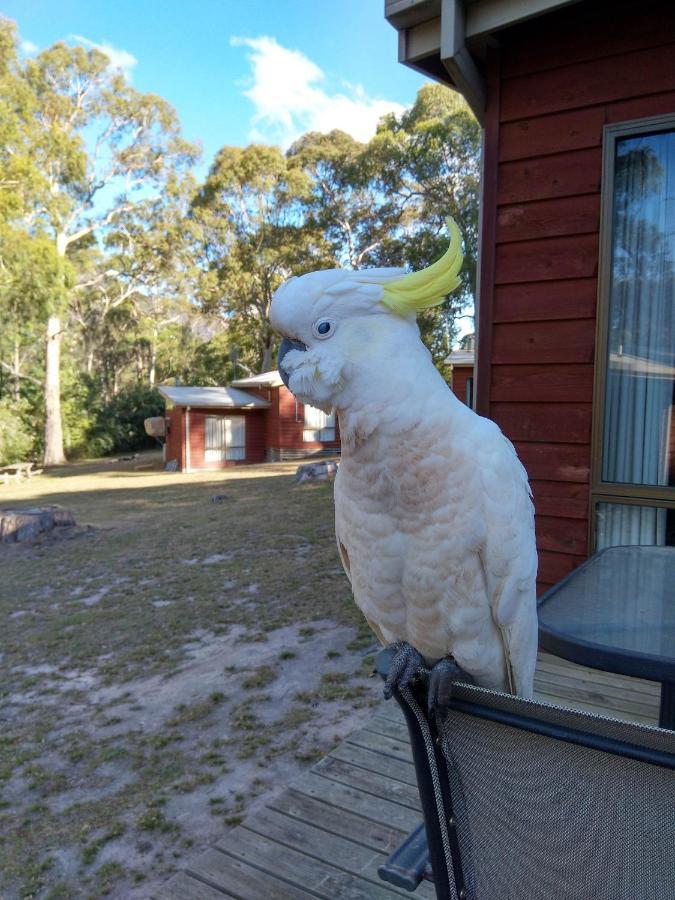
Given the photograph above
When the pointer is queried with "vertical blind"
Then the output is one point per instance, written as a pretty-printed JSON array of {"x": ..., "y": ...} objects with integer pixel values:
[
  {"x": 318, "y": 425},
  {"x": 638, "y": 438},
  {"x": 225, "y": 438}
]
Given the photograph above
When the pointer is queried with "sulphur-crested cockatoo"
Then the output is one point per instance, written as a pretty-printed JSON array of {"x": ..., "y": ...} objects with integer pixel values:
[{"x": 433, "y": 512}]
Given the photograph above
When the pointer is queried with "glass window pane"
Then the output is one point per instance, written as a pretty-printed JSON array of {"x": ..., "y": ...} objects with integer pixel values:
[
  {"x": 639, "y": 425},
  {"x": 623, "y": 524},
  {"x": 214, "y": 445},
  {"x": 235, "y": 437},
  {"x": 318, "y": 425}
]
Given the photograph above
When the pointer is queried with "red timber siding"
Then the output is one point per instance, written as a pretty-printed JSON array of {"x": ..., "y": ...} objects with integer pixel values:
[
  {"x": 460, "y": 376},
  {"x": 174, "y": 435},
  {"x": 285, "y": 424},
  {"x": 255, "y": 436},
  {"x": 553, "y": 85}
]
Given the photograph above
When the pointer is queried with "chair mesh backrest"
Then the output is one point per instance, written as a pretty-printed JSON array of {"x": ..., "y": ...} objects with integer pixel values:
[{"x": 541, "y": 818}]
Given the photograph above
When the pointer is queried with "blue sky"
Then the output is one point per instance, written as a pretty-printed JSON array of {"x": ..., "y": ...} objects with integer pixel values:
[{"x": 238, "y": 70}]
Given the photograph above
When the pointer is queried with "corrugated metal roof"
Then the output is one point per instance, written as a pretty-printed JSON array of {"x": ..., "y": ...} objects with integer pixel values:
[
  {"x": 265, "y": 379},
  {"x": 227, "y": 397}
]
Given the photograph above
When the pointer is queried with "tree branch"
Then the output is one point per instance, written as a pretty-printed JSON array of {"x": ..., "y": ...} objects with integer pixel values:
[{"x": 16, "y": 374}]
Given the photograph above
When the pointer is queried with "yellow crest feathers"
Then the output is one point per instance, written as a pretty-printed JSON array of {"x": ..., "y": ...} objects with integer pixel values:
[{"x": 429, "y": 287}]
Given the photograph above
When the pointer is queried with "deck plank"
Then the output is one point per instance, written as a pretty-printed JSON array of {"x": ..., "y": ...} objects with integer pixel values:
[
  {"x": 368, "y": 782},
  {"x": 328, "y": 832},
  {"x": 241, "y": 880},
  {"x": 603, "y": 693},
  {"x": 323, "y": 846},
  {"x": 186, "y": 887},
  {"x": 396, "y": 730},
  {"x": 297, "y": 869},
  {"x": 376, "y": 762},
  {"x": 379, "y": 836},
  {"x": 342, "y": 796},
  {"x": 396, "y": 747}
]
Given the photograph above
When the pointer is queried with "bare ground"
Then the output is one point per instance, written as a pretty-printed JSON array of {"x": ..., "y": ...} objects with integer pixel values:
[{"x": 166, "y": 665}]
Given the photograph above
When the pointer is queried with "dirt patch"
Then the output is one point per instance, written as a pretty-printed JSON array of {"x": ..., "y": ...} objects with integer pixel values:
[{"x": 168, "y": 674}]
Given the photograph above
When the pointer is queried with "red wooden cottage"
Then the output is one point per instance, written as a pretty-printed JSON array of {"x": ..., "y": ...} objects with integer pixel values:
[
  {"x": 461, "y": 364},
  {"x": 293, "y": 429},
  {"x": 576, "y": 324},
  {"x": 253, "y": 420}
]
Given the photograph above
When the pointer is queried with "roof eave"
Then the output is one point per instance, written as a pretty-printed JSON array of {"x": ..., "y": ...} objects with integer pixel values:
[
  {"x": 446, "y": 39},
  {"x": 206, "y": 403}
]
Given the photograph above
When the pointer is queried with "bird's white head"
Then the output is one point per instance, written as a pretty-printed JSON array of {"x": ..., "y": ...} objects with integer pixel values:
[{"x": 338, "y": 322}]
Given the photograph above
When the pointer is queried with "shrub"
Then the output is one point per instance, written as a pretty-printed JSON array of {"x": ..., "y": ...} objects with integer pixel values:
[
  {"x": 16, "y": 442},
  {"x": 118, "y": 425}
]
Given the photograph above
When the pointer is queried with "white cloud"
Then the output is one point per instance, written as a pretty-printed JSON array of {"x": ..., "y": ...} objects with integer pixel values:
[
  {"x": 119, "y": 59},
  {"x": 28, "y": 47},
  {"x": 286, "y": 89}
]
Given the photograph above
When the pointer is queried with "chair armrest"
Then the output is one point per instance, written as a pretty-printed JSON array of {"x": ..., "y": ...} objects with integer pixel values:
[{"x": 409, "y": 863}]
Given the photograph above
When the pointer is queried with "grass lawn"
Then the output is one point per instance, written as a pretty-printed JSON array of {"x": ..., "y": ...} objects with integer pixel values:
[{"x": 165, "y": 668}]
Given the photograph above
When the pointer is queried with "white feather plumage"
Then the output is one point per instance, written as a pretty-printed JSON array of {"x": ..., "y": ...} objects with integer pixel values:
[{"x": 433, "y": 514}]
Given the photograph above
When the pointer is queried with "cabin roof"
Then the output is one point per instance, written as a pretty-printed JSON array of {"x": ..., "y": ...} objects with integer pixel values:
[
  {"x": 265, "y": 379},
  {"x": 460, "y": 358},
  {"x": 229, "y": 397}
]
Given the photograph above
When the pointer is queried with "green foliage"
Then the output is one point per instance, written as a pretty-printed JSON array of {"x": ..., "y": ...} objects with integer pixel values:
[
  {"x": 254, "y": 235},
  {"x": 151, "y": 276},
  {"x": 16, "y": 441},
  {"x": 427, "y": 162},
  {"x": 118, "y": 425}
]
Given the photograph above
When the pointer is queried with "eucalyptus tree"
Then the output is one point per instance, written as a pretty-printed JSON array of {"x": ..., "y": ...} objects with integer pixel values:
[
  {"x": 343, "y": 201},
  {"x": 153, "y": 249},
  {"x": 253, "y": 236},
  {"x": 101, "y": 148},
  {"x": 426, "y": 165}
]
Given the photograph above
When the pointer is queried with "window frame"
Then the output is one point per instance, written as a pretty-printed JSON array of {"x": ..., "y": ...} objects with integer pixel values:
[
  {"x": 226, "y": 448},
  {"x": 660, "y": 496},
  {"x": 324, "y": 428}
]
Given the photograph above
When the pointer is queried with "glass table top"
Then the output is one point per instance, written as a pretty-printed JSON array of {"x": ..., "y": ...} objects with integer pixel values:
[{"x": 621, "y": 600}]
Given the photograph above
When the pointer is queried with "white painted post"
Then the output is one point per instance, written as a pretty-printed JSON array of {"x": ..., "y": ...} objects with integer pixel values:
[{"x": 187, "y": 438}]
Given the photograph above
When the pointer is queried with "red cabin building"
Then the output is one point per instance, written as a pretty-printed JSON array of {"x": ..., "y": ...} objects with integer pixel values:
[
  {"x": 253, "y": 420},
  {"x": 576, "y": 309},
  {"x": 461, "y": 363}
]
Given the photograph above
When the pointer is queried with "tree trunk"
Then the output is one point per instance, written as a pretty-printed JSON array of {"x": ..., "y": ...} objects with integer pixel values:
[
  {"x": 54, "y": 455},
  {"x": 153, "y": 361},
  {"x": 267, "y": 358},
  {"x": 139, "y": 363},
  {"x": 17, "y": 371}
]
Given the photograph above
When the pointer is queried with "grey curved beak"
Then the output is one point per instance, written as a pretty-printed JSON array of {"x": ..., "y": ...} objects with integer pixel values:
[{"x": 286, "y": 345}]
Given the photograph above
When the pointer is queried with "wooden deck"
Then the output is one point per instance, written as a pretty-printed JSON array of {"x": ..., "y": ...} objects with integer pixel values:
[{"x": 326, "y": 835}]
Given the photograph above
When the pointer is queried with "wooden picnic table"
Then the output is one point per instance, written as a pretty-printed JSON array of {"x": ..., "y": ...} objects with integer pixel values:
[{"x": 18, "y": 470}]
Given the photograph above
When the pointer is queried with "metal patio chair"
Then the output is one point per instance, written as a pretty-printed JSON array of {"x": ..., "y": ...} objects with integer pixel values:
[{"x": 529, "y": 801}]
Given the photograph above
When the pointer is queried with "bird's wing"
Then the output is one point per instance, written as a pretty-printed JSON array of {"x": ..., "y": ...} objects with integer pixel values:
[
  {"x": 342, "y": 542},
  {"x": 509, "y": 556},
  {"x": 344, "y": 557}
]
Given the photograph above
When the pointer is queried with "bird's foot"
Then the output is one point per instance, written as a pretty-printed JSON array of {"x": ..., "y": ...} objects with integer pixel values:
[
  {"x": 444, "y": 675},
  {"x": 406, "y": 667}
]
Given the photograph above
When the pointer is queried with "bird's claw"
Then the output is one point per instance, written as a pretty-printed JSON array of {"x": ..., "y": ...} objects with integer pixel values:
[
  {"x": 442, "y": 678},
  {"x": 406, "y": 667}
]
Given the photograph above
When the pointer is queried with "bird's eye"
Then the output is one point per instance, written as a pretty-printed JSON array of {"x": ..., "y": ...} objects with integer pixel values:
[{"x": 323, "y": 328}]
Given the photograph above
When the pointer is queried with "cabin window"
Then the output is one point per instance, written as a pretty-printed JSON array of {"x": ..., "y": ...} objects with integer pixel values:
[
  {"x": 469, "y": 391},
  {"x": 225, "y": 438},
  {"x": 634, "y": 442},
  {"x": 318, "y": 425}
]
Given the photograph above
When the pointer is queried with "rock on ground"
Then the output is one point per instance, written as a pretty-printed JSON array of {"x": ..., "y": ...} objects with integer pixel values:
[
  {"x": 27, "y": 524},
  {"x": 322, "y": 471}
]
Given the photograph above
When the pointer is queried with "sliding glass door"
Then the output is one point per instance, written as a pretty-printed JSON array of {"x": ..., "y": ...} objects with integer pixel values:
[{"x": 634, "y": 473}]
